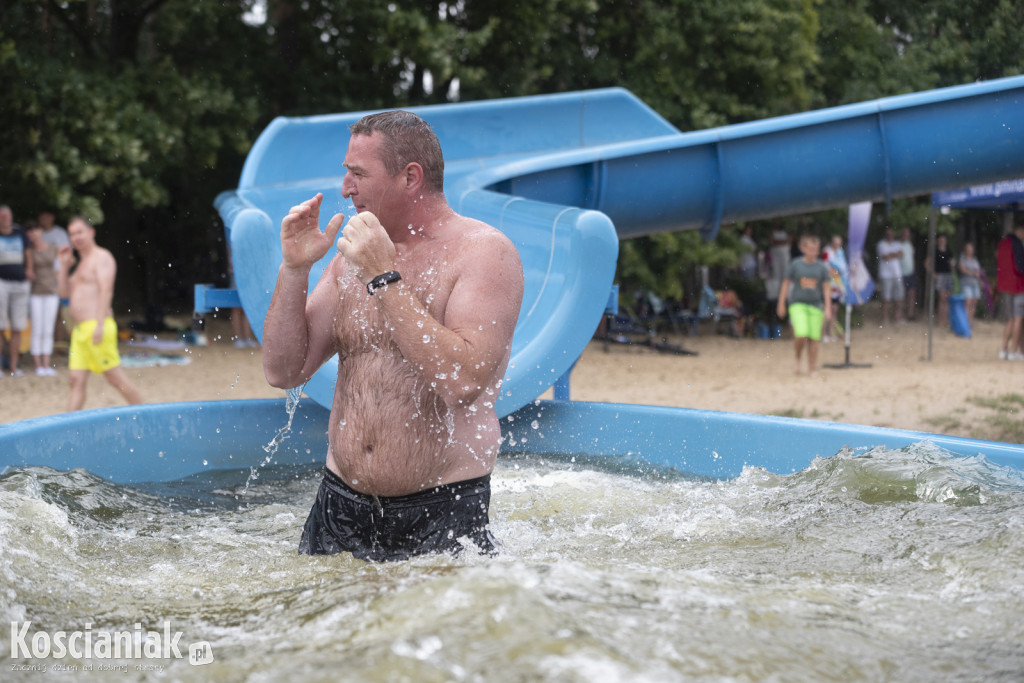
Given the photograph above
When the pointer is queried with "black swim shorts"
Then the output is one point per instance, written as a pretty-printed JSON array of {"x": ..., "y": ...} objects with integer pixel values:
[{"x": 397, "y": 527}]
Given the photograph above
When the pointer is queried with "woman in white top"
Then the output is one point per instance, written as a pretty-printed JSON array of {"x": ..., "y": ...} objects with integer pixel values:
[{"x": 44, "y": 302}]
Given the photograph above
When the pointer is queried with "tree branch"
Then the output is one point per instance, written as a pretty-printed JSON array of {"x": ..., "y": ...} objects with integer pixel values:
[{"x": 75, "y": 28}]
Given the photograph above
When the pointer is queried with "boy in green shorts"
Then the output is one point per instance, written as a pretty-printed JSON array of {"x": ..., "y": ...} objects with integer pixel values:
[{"x": 808, "y": 287}]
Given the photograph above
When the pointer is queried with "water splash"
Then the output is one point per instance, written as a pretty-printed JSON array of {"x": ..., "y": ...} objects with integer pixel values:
[
  {"x": 605, "y": 566},
  {"x": 291, "y": 404}
]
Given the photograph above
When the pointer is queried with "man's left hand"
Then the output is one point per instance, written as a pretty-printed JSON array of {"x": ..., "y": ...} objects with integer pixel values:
[{"x": 365, "y": 244}]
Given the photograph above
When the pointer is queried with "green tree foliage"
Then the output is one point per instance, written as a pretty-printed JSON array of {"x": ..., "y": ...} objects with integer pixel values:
[
  {"x": 113, "y": 122},
  {"x": 138, "y": 112}
]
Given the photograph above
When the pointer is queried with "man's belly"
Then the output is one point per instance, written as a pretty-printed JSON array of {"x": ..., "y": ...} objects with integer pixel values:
[
  {"x": 391, "y": 435},
  {"x": 395, "y": 452}
]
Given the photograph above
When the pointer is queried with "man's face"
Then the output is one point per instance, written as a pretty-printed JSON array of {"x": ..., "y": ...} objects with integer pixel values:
[
  {"x": 6, "y": 220},
  {"x": 366, "y": 181},
  {"x": 80, "y": 233},
  {"x": 46, "y": 220}
]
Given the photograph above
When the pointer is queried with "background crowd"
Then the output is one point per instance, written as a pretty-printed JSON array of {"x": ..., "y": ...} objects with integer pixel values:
[
  {"x": 29, "y": 297},
  {"x": 967, "y": 286}
]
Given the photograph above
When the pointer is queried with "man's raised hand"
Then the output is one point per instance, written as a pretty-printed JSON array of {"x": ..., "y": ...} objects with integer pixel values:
[
  {"x": 366, "y": 246},
  {"x": 302, "y": 242}
]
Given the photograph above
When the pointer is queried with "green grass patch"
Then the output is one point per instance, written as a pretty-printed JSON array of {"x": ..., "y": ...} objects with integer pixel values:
[
  {"x": 801, "y": 413},
  {"x": 944, "y": 424},
  {"x": 1006, "y": 422}
]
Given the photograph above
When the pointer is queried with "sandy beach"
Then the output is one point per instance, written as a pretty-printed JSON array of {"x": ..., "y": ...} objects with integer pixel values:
[{"x": 964, "y": 390}]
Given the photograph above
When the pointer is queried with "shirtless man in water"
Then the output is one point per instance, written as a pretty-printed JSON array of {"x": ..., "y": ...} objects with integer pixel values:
[
  {"x": 94, "y": 337},
  {"x": 419, "y": 304}
]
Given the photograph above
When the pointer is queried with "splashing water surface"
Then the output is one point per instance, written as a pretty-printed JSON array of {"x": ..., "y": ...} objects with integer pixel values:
[{"x": 903, "y": 565}]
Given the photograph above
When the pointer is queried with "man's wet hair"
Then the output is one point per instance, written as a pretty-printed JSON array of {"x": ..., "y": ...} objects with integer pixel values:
[{"x": 407, "y": 139}]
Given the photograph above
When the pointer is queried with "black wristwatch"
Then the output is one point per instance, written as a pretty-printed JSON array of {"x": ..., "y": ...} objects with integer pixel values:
[{"x": 382, "y": 280}]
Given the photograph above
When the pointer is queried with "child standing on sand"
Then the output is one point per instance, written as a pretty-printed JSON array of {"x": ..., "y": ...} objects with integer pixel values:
[{"x": 807, "y": 288}]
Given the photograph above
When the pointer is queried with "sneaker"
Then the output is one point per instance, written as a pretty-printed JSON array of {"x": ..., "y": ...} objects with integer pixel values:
[
  {"x": 1016, "y": 355},
  {"x": 41, "y": 372},
  {"x": 19, "y": 373},
  {"x": 1003, "y": 354}
]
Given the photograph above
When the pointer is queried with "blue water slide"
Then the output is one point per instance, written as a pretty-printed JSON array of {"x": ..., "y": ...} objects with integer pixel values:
[{"x": 565, "y": 176}]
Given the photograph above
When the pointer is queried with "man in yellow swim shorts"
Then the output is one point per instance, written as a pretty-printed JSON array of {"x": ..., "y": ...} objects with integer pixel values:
[
  {"x": 808, "y": 289},
  {"x": 91, "y": 292},
  {"x": 97, "y": 358}
]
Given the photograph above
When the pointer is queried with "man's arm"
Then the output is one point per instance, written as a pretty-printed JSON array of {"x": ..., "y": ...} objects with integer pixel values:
[
  {"x": 461, "y": 358},
  {"x": 30, "y": 266},
  {"x": 826, "y": 292},
  {"x": 67, "y": 259},
  {"x": 298, "y": 334},
  {"x": 780, "y": 308},
  {"x": 105, "y": 273}
]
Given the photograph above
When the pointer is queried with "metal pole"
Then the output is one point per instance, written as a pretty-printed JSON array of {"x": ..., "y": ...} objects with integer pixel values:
[{"x": 930, "y": 279}]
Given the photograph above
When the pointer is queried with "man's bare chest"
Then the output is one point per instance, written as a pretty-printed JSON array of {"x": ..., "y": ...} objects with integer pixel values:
[
  {"x": 360, "y": 323},
  {"x": 84, "y": 275}
]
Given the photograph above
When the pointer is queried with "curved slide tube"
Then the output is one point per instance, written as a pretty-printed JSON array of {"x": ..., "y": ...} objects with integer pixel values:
[{"x": 565, "y": 176}]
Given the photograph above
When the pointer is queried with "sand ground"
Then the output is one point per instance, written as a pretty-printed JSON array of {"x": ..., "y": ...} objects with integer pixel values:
[{"x": 963, "y": 390}]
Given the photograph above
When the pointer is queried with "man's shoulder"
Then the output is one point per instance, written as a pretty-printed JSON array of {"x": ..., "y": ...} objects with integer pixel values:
[
  {"x": 97, "y": 258},
  {"x": 478, "y": 235}
]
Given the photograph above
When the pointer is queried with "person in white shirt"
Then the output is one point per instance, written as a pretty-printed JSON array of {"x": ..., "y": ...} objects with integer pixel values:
[{"x": 891, "y": 276}]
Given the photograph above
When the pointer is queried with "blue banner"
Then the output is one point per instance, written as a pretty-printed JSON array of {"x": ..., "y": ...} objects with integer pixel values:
[{"x": 859, "y": 285}]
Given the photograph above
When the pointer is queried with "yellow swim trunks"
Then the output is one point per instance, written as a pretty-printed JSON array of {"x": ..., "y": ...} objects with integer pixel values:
[{"x": 84, "y": 355}]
